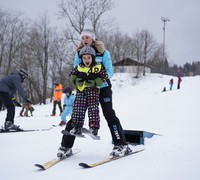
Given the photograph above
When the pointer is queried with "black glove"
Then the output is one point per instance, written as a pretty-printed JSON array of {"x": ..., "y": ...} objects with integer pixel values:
[
  {"x": 16, "y": 103},
  {"x": 79, "y": 82},
  {"x": 90, "y": 83},
  {"x": 82, "y": 75},
  {"x": 92, "y": 76}
]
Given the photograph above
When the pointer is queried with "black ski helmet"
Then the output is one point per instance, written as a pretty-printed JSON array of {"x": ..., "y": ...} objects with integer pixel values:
[
  {"x": 67, "y": 90},
  {"x": 23, "y": 74},
  {"x": 56, "y": 83}
]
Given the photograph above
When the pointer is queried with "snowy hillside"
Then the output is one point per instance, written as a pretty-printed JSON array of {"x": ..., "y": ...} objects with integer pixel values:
[{"x": 140, "y": 105}]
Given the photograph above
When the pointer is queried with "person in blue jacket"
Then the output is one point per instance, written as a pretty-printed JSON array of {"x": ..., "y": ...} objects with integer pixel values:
[
  {"x": 9, "y": 85},
  {"x": 102, "y": 57},
  {"x": 68, "y": 105},
  {"x": 171, "y": 82}
]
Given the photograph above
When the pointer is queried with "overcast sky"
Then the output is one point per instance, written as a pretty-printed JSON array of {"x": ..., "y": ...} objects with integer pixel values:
[{"x": 182, "y": 32}]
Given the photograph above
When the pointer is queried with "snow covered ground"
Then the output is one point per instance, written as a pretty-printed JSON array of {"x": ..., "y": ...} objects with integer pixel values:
[{"x": 140, "y": 105}]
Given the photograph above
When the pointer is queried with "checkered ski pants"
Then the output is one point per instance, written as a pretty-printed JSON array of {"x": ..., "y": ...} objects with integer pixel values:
[{"x": 86, "y": 99}]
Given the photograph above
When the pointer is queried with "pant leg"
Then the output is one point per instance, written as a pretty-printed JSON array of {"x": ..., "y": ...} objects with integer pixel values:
[
  {"x": 68, "y": 141},
  {"x": 54, "y": 107},
  {"x": 31, "y": 111},
  {"x": 77, "y": 120},
  {"x": 64, "y": 114},
  {"x": 22, "y": 110},
  {"x": 6, "y": 100},
  {"x": 170, "y": 86},
  {"x": 70, "y": 110},
  {"x": 109, "y": 114},
  {"x": 60, "y": 106},
  {"x": 79, "y": 109},
  {"x": 26, "y": 111},
  {"x": 93, "y": 108}
]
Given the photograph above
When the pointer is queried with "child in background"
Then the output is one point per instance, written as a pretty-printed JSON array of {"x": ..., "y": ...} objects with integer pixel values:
[
  {"x": 171, "y": 82},
  {"x": 68, "y": 105}
]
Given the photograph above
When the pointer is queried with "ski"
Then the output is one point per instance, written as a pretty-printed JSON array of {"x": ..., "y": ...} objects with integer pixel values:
[
  {"x": 55, "y": 161},
  {"x": 22, "y": 130},
  {"x": 89, "y": 133},
  {"x": 57, "y": 125},
  {"x": 84, "y": 131},
  {"x": 71, "y": 134},
  {"x": 85, "y": 165}
]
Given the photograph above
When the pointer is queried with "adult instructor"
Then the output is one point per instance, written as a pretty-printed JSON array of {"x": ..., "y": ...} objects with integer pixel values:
[{"x": 102, "y": 56}]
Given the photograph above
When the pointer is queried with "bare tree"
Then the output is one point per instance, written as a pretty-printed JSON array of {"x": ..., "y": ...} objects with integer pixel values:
[
  {"x": 41, "y": 34},
  {"x": 156, "y": 59},
  {"x": 144, "y": 44},
  {"x": 3, "y": 27},
  {"x": 96, "y": 10},
  {"x": 119, "y": 45},
  {"x": 61, "y": 60},
  {"x": 148, "y": 48},
  {"x": 81, "y": 13},
  {"x": 12, "y": 33}
]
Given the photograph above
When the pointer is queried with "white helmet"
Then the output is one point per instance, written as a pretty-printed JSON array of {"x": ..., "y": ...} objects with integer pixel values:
[{"x": 87, "y": 50}]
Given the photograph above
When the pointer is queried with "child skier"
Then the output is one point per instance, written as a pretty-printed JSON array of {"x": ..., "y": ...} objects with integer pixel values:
[
  {"x": 87, "y": 77},
  {"x": 68, "y": 105}
]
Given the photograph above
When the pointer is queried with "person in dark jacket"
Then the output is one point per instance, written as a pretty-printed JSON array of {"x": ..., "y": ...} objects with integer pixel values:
[{"x": 9, "y": 85}]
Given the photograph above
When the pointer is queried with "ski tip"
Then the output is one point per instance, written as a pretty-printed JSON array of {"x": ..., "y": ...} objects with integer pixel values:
[
  {"x": 140, "y": 150},
  {"x": 84, "y": 165},
  {"x": 40, "y": 166}
]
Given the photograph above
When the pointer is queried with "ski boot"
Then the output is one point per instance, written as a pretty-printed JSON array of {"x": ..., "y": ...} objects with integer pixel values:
[
  {"x": 120, "y": 151},
  {"x": 94, "y": 131},
  {"x": 76, "y": 131},
  {"x": 10, "y": 126},
  {"x": 62, "y": 123},
  {"x": 64, "y": 152}
]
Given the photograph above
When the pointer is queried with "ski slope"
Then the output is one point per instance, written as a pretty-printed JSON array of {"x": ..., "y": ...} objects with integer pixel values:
[{"x": 140, "y": 105}]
